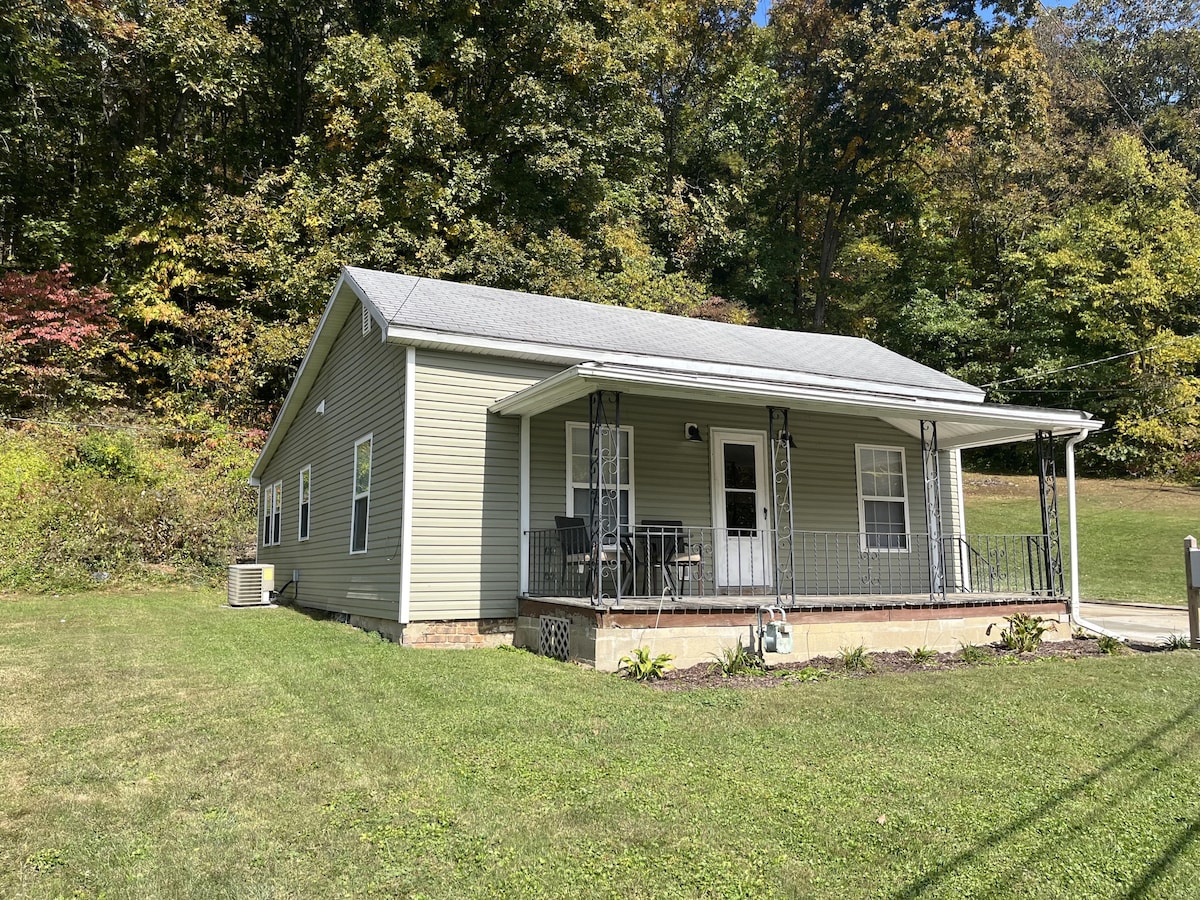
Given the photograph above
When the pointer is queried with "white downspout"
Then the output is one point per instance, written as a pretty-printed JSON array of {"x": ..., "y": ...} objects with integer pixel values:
[{"x": 1073, "y": 531}]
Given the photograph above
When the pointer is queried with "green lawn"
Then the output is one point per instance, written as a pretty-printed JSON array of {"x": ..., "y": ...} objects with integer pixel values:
[
  {"x": 161, "y": 746},
  {"x": 1130, "y": 532}
]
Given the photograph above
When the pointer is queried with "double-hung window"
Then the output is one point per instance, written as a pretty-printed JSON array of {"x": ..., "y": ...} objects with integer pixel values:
[
  {"x": 362, "y": 495},
  {"x": 882, "y": 498},
  {"x": 618, "y": 470},
  {"x": 305, "y": 503},
  {"x": 272, "y": 513}
]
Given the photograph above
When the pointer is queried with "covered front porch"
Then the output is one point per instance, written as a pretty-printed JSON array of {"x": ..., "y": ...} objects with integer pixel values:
[
  {"x": 650, "y": 492},
  {"x": 696, "y": 564}
]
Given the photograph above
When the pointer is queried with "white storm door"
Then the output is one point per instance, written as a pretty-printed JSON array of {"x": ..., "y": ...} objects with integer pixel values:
[{"x": 742, "y": 542}]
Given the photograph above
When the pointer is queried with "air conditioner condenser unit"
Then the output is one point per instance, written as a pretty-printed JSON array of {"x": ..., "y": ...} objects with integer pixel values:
[{"x": 250, "y": 585}]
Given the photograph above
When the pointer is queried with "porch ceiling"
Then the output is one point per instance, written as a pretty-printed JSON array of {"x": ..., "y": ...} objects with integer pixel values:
[{"x": 960, "y": 424}]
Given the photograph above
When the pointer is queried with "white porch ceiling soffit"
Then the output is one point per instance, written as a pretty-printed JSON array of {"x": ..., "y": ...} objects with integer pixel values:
[{"x": 961, "y": 424}]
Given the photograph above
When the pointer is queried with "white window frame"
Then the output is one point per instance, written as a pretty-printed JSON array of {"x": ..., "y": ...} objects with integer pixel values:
[
  {"x": 863, "y": 498},
  {"x": 271, "y": 517},
  {"x": 264, "y": 515},
  {"x": 573, "y": 485},
  {"x": 357, "y": 495},
  {"x": 304, "y": 505}
]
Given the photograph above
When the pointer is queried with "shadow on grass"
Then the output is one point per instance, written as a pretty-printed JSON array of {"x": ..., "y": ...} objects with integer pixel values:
[
  {"x": 1156, "y": 868},
  {"x": 1153, "y": 870}
]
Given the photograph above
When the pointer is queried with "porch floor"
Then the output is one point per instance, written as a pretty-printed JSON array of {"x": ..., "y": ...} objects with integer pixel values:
[{"x": 734, "y": 603}]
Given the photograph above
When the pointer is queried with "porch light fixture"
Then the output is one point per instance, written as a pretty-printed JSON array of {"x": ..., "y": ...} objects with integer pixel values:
[{"x": 692, "y": 433}]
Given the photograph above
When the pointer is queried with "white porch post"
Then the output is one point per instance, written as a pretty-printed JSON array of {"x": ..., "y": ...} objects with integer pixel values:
[
  {"x": 932, "y": 480},
  {"x": 523, "y": 506}
]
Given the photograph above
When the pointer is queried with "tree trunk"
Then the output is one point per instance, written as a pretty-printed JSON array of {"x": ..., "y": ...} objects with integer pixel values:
[
  {"x": 831, "y": 241},
  {"x": 829, "y": 248}
]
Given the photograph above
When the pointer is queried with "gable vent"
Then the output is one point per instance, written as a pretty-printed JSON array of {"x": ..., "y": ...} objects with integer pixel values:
[{"x": 366, "y": 319}]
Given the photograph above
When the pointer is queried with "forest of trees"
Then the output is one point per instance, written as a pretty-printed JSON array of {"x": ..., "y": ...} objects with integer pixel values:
[{"x": 1005, "y": 193}]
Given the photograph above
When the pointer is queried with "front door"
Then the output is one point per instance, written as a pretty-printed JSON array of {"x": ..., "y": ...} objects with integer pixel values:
[{"x": 742, "y": 541}]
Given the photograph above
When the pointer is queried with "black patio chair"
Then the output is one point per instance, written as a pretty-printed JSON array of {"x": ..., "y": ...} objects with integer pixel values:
[
  {"x": 668, "y": 550},
  {"x": 579, "y": 549}
]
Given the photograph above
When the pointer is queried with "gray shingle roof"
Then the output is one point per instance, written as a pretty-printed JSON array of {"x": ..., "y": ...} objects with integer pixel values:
[{"x": 470, "y": 310}]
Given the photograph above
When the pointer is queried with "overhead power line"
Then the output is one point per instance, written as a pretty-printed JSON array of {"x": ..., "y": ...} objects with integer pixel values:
[
  {"x": 118, "y": 426},
  {"x": 1162, "y": 410},
  {"x": 1137, "y": 126},
  {"x": 1084, "y": 365}
]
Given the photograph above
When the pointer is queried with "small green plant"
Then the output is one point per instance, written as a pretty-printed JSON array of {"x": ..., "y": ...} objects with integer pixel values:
[
  {"x": 110, "y": 454},
  {"x": 855, "y": 659},
  {"x": 641, "y": 666},
  {"x": 1008, "y": 659},
  {"x": 45, "y": 860},
  {"x": 1081, "y": 634},
  {"x": 973, "y": 654},
  {"x": 737, "y": 660},
  {"x": 1108, "y": 644},
  {"x": 922, "y": 656},
  {"x": 808, "y": 673},
  {"x": 1176, "y": 642},
  {"x": 1024, "y": 633}
]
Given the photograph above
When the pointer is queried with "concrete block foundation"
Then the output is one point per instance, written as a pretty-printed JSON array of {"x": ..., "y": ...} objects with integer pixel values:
[{"x": 600, "y": 638}]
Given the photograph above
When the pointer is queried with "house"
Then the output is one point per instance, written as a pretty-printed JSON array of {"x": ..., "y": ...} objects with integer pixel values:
[{"x": 458, "y": 465}]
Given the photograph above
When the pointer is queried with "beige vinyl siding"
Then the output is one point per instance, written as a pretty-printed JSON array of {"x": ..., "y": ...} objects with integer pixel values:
[
  {"x": 952, "y": 516},
  {"x": 466, "y": 545},
  {"x": 362, "y": 385},
  {"x": 673, "y": 476}
]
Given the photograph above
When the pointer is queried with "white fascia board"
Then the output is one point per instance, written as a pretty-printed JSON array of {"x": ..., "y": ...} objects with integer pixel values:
[
  {"x": 533, "y": 350},
  {"x": 991, "y": 435},
  {"x": 998, "y": 424},
  {"x": 708, "y": 385},
  {"x": 301, "y": 383},
  {"x": 880, "y": 404},
  {"x": 560, "y": 388}
]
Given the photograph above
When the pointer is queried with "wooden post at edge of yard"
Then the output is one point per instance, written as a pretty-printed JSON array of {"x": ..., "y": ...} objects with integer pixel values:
[{"x": 1193, "y": 591}]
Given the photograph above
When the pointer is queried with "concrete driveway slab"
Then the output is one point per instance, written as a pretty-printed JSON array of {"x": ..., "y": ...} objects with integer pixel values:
[{"x": 1138, "y": 622}]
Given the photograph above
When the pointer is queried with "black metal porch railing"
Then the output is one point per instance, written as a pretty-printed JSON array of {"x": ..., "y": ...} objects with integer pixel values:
[{"x": 650, "y": 561}]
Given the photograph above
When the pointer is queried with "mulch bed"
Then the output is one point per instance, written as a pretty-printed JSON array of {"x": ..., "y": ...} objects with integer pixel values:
[{"x": 702, "y": 675}]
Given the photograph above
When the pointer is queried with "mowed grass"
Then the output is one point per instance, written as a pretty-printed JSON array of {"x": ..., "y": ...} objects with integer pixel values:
[
  {"x": 1130, "y": 532},
  {"x": 161, "y": 746}
]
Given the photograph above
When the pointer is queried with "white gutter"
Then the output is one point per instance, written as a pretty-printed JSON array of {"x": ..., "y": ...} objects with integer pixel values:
[
  {"x": 1003, "y": 423},
  {"x": 1073, "y": 531}
]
